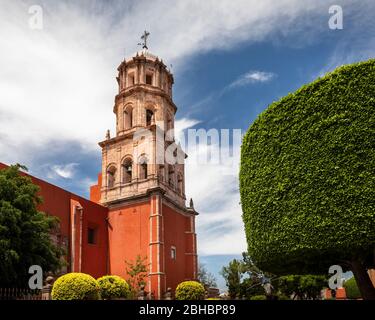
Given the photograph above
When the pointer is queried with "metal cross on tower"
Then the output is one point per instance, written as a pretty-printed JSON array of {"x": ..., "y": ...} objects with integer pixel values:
[{"x": 144, "y": 38}]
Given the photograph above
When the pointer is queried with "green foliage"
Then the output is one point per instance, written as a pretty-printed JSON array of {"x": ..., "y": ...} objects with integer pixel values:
[
  {"x": 75, "y": 286},
  {"x": 307, "y": 176},
  {"x": 137, "y": 271},
  {"x": 233, "y": 275},
  {"x": 258, "y": 297},
  {"x": 24, "y": 231},
  {"x": 351, "y": 289},
  {"x": 302, "y": 286},
  {"x": 190, "y": 290},
  {"x": 250, "y": 287},
  {"x": 244, "y": 279},
  {"x": 112, "y": 287},
  {"x": 206, "y": 278}
]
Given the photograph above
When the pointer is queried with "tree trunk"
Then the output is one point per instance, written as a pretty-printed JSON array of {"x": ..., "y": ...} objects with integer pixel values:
[{"x": 363, "y": 280}]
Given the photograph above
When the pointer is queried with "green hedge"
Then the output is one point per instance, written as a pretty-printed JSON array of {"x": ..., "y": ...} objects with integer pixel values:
[
  {"x": 307, "y": 179},
  {"x": 351, "y": 289},
  {"x": 190, "y": 290},
  {"x": 113, "y": 287},
  {"x": 75, "y": 286},
  {"x": 258, "y": 297}
]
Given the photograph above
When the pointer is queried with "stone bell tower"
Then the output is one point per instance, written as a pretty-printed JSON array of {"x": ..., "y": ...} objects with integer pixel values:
[{"x": 143, "y": 179}]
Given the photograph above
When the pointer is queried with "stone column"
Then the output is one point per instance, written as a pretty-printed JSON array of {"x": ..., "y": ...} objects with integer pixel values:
[
  {"x": 157, "y": 76},
  {"x": 137, "y": 73},
  {"x": 124, "y": 77},
  {"x": 143, "y": 73}
]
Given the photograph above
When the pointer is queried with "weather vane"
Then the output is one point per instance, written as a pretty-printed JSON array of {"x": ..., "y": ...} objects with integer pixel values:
[{"x": 144, "y": 38}]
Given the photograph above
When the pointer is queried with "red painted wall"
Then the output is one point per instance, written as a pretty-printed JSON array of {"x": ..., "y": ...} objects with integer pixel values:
[
  {"x": 180, "y": 234},
  {"x": 128, "y": 234},
  {"x": 95, "y": 190}
]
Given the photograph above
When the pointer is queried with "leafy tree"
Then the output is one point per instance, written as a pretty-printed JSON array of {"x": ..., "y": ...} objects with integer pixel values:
[
  {"x": 244, "y": 279},
  {"x": 137, "y": 272},
  {"x": 253, "y": 285},
  {"x": 307, "y": 178},
  {"x": 250, "y": 287},
  {"x": 351, "y": 289},
  {"x": 233, "y": 275},
  {"x": 24, "y": 231},
  {"x": 302, "y": 286},
  {"x": 205, "y": 277}
]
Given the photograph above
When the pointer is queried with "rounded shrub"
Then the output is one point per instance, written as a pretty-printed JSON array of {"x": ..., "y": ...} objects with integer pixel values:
[
  {"x": 307, "y": 180},
  {"x": 113, "y": 287},
  {"x": 258, "y": 297},
  {"x": 351, "y": 289},
  {"x": 76, "y": 286},
  {"x": 190, "y": 290}
]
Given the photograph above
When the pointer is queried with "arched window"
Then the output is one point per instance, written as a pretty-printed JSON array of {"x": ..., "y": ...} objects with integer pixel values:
[
  {"x": 131, "y": 79},
  {"x": 171, "y": 175},
  {"x": 149, "y": 78},
  {"x": 149, "y": 115},
  {"x": 127, "y": 171},
  {"x": 180, "y": 185},
  {"x": 128, "y": 118},
  {"x": 143, "y": 167},
  {"x": 111, "y": 176}
]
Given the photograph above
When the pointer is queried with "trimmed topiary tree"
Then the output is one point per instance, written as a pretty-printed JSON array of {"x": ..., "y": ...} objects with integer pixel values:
[
  {"x": 351, "y": 289},
  {"x": 307, "y": 178},
  {"x": 76, "y": 286},
  {"x": 113, "y": 287},
  {"x": 190, "y": 290}
]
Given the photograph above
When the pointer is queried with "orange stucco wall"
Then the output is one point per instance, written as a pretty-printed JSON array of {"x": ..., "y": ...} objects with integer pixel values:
[
  {"x": 175, "y": 224},
  {"x": 128, "y": 235},
  {"x": 95, "y": 190},
  {"x": 150, "y": 229}
]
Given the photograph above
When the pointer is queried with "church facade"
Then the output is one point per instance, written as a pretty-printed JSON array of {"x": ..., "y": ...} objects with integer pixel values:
[{"x": 138, "y": 207}]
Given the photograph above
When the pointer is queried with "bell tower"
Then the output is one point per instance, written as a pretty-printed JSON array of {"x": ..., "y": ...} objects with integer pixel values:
[{"x": 143, "y": 179}]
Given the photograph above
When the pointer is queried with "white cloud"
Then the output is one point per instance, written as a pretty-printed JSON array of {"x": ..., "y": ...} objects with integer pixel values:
[
  {"x": 65, "y": 171},
  {"x": 252, "y": 77},
  {"x": 213, "y": 185},
  {"x": 214, "y": 189},
  {"x": 184, "y": 123}
]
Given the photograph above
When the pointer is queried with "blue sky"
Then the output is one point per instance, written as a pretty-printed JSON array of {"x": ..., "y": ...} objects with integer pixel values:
[{"x": 230, "y": 61}]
